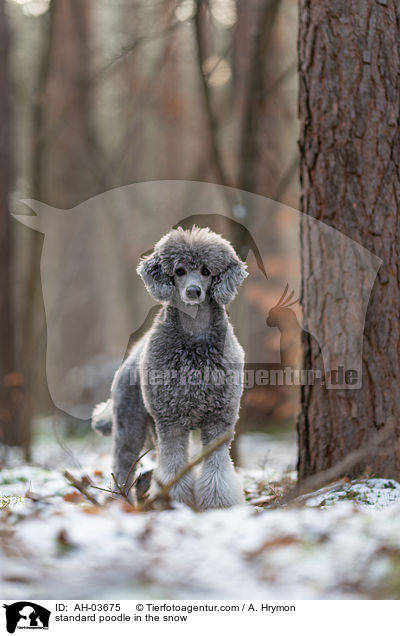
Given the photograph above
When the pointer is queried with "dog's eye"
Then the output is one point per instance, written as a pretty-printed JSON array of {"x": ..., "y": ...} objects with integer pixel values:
[
  {"x": 205, "y": 271},
  {"x": 180, "y": 271}
]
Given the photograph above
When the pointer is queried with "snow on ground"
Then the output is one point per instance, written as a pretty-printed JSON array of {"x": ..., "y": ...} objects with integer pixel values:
[
  {"x": 376, "y": 493},
  {"x": 342, "y": 541}
]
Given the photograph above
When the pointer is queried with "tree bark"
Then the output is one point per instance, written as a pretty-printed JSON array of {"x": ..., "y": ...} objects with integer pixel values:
[{"x": 349, "y": 59}]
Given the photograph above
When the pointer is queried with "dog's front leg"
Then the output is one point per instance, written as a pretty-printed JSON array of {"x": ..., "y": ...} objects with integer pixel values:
[
  {"x": 173, "y": 451},
  {"x": 218, "y": 485}
]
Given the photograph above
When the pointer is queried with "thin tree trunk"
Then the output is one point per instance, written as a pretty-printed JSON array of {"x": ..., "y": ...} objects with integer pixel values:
[
  {"x": 256, "y": 115},
  {"x": 349, "y": 59},
  {"x": 201, "y": 39},
  {"x": 61, "y": 169},
  {"x": 8, "y": 433},
  {"x": 32, "y": 327}
]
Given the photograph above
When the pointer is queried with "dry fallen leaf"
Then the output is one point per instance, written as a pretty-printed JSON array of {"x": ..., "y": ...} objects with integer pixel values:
[
  {"x": 74, "y": 497},
  {"x": 92, "y": 510},
  {"x": 278, "y": 542},
  {"x": 127, "y": 507}
]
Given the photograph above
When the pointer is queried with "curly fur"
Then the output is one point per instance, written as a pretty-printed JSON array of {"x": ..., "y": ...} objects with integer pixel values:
[{"x": 181, "y": 375}]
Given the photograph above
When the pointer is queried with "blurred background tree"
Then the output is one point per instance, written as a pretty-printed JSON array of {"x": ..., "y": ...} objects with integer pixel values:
[
  {"x": 107, "y": 94},
  {"x": 8, "y": 433}
]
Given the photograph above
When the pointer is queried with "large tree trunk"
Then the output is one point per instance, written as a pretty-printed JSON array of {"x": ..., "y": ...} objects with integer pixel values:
[
  {"x": 349, "y": 59},
  {"x": 8, "y": 434}
]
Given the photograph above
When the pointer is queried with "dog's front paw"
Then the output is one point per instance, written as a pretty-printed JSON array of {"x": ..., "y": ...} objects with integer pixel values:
[
  {"x": 183, "y": 491},
  {"x": 218, "y": 489}
]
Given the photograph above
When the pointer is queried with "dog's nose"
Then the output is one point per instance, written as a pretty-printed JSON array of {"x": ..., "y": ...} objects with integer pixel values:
[{"x": 193, "y": 292}]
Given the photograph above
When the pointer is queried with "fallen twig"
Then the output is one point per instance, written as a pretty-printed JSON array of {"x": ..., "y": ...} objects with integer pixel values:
[
  {"x": 131, "y": 470},
  {"x": 300, "y": 500},
  {"x": 118, "y": 487},
  {"x": 163, "y": 493},
  {"x": 340, "y": 468},
  {"x": 81, "y": 487}
]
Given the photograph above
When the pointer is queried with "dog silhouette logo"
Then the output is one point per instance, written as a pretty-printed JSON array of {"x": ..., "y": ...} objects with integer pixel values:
[
  {"x": 95, "y": 304},
  {"x": 26, "y": 615}
]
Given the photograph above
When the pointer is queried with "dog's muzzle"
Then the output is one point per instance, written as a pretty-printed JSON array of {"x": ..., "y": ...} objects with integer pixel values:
[{"x": 193, "y": 292}]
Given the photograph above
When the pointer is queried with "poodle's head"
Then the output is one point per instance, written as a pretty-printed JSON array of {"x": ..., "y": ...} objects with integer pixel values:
[{"x": 194, "y": 264}]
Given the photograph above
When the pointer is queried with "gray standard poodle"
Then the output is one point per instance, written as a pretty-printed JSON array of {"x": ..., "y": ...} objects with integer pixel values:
[{"x": 185, "y": 373}]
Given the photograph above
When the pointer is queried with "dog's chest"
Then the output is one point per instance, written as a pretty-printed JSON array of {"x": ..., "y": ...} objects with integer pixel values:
[
  {"x": 187, "y": 374},
  {"x": 194, "y": 347}
]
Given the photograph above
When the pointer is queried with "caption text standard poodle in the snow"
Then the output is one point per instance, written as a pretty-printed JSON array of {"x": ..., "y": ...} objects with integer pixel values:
[{"x": 178, "y": 377}]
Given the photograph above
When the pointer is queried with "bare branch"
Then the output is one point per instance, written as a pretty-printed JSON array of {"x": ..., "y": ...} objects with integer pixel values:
[
  {"x": 132, "y": 468},
  {"x": 128, "y": 50},
  {"x": 81, "y": 487}
]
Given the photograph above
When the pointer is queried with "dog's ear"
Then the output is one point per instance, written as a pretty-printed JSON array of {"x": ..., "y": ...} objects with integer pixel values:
[
  {"x": 226, "y": 284},
  {"x": 158, "y": 284}
]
